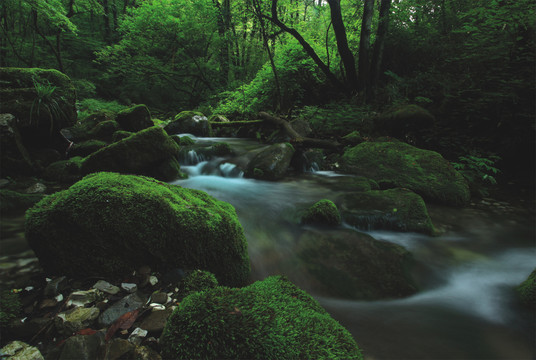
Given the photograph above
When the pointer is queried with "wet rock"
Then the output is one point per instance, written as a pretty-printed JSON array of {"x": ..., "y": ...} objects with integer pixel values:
[
  {"x": 37, "y": 188},
  {"x": 393, "y": 209},
  {"x": 106, "y": 287},
  {"x": 149, "y": 152},
  {"x": 135, "y": 118},
  {"x": 271, "y": 163},
  {"x": 82, "y": 347},
  {"x": 79, "y": 318},
  {"x": 189, "y": 122},
  {"x": 324, "y": 212},
  {"x": 129, "y": 287},
  {"x": 159, "y": 297},
  {"x": 117, "y": 348},
  {"x": 56, "y": 286},
  {"x": 137, "y": 336},
  {"x": 18, "y": 350},
  {"x": 353, "y": 265},
  {"x": 83, "y": 298},
  {"x": 154, "y": 323},
  {"x": 392, "y": 163},
  {"x": 146, "y": 353},
  {"x": 128, "y": 303}
]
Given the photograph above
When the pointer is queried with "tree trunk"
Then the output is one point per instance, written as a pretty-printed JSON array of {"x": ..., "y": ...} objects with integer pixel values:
[
  {"x": 377, "y": 55},
  {"x": 364, "y": 46},
  {"x": 342, "y": 43}
]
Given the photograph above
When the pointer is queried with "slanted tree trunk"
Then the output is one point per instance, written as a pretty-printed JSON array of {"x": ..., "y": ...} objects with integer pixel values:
[
  {"x": 364, "y": 47},
  {"x": 342, "y": 44},
  {"x": 379, "y": 44}
]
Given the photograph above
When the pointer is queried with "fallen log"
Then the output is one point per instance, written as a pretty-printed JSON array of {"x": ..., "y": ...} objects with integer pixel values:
[{"x": 295, "y": 138}]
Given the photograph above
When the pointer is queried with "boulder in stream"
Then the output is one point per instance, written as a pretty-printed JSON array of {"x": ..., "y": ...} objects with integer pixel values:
[
  {"x": 190, "y": 122},
  {"x": 348, "y": 264},
  {"x": 271, "y": 163},
  {"x": 324, "y": 212},
  {"x": 269, "y": 319},
  {"x": 392, "y": 209},
  {"x": 392, "y": 163},
  {"x": 527, "y": 290},
  {"x": 148, "y": 152},
  {"x": 109, "y": 224}
]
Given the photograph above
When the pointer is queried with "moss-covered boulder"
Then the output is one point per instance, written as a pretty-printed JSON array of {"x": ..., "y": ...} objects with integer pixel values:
[
  {"x": 189, "y": 122},
  {"x": 148, "y": 152},
  {"x": 527, "y": 291},
  {"x": 404, "y": 122},
  {"x": 195, "y": 281},
  {"x": 348, "y": 264},
  {"x": 86, "y": 148},
  {"x": 64, "y": 171},
  {"x": 393, "y": 209},
  {"x": 352, "y": 139},
  {"x": 108, "y": 224},
  {"x": 120, "y": 135},
  {"x": 270, "y": 319},
  {"x": 97, "y": 126},
  {"x": 324, "y": 212},
  {"x": 397, "y": 164},
  {"x": 39, "y": 98},
  {"x": 271, "y": 163},
  {"x": 135, "y": 118}
]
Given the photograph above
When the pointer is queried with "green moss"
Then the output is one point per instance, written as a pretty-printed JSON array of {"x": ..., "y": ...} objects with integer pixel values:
[
  {"x": 185, "y": 141},
  {"x": 64, "y": 171},
  {"x": 146, "y": 152},
  {"x": 10, "y": 307},
  {"x": 258, "y": 173},
  {"x": 393, "y": 209},
  {"x": 270, "y": 319},
  {"x": 352, "y": 138},
  {"x": 324, "y": 212},
  {"x": 108, "y": 224},
  {"x": 135, "y": 118},
  {"x": 221, "y": 149},
  {"x": 397, "y": 164},
  {"x": 120, "y": 135},
  {"x": 11, "y": 201},
  {"x": 527, "y": 290},
  {"x": 195, "y": 281},
  {"x": 86, "y": 147}
]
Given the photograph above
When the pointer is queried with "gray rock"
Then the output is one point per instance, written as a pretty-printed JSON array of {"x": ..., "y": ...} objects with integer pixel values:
[
  {"x": 79, "y": 318},
  {"x": 156, "y": 320},
  {"x": 145, "y": 353},
  {"x": 18, "y": 350},
  {"x": 82, "y": 347},
  {"x": 83, "y": 298},
  {"x": 37, "y": 188},
  {"x": 56, "y": 286},
  {"x": 159, "y": 297},
  {"x": 271, "y": 163},
  {"x": 106, "y": 287},
  {"x": 129, "y": 287},
  {"x": 117, "y": 348},
  {"x": 128, "y": 303}
]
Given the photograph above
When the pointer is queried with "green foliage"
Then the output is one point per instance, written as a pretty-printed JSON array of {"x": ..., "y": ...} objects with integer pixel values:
[
  {"x": 10, "y": 306},
  {"x": 479, "y": 171},
  {"x": 85, "y": 89},
  {"x": 270, "y": 319},
  {"x": 46, "y": 104},
  {"x": 527, "y": 290}
]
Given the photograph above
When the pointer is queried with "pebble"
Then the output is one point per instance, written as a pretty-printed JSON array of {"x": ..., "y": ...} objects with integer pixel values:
[
  {"x": 129, "y": 287},
  {"x": 128, "y": 303},
  {"x": 37, "y": 188},
  {"x": 83, "y": 298},
  {"x": 18, "y": 350},
  {"x": 159, "y": 297},
  {"x": 137, "y": 336},
  {"x": 106, "y": 287}
]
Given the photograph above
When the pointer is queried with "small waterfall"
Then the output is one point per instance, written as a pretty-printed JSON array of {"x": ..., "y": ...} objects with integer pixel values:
[
  {"x": 193, "y": 158},
  {"x": 230, "y": 170}
]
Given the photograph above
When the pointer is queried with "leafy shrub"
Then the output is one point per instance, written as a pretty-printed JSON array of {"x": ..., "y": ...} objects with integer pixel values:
[
  {"x": 85, "y": 89},
  {"x": 478, "y": 171},
  {"x": 46, "y": 101}
]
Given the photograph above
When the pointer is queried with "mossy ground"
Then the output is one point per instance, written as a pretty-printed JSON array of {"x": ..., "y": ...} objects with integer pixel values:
[
  {"x": 109, "y": 224},
  {"x": 270, "y": 319},
  {"x": 396, "y": 164}
]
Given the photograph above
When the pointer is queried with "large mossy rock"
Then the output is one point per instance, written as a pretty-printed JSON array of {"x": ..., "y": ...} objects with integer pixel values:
[
  {"x": 323, "y": 212},
  {"x": 189, "y": 122},
  {"x": 271, "y": 163},
  {"x": 135, "y": 118},
  {"x": 148, "y": 152},
  {"x": 108, "y": 224},
  {"x": 353, "y": 265},
  {"x": 397, "y": 164},
  {"x": 393, "y": 209},
  {"x": 270, "y": 319},
  {"x": 40, "y": 117},
  {"x": 404, "y": 122}
]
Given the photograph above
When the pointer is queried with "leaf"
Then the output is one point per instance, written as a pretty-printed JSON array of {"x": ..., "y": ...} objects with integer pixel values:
[
  {"x": 124, "y": 322},
  {"x": 86, "y": 331}
]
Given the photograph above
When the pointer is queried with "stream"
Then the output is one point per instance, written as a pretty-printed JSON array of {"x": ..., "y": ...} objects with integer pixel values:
[{"x": 466, "y": 307}]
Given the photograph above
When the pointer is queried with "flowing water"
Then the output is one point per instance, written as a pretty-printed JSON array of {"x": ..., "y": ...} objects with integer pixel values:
[{"x": 466, "y": 307}]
